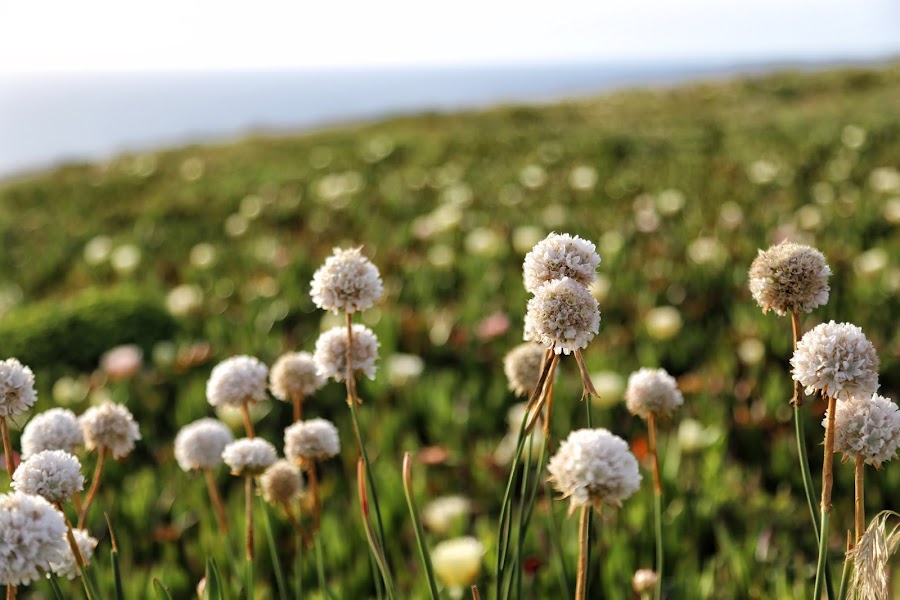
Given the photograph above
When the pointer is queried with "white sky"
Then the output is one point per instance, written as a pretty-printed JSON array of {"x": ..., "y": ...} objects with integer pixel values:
[{"x": 55, "y": 35}]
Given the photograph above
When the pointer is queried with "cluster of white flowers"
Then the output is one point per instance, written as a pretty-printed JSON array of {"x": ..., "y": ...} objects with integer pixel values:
[
  {"x": 294, "y": 374},
  {"x": 836, "y": 359},
  {"x": 109, "y": 426},
  {"x": 54, "y": 429},
  {"x": 237, "y": 380},
  {"x": 558, "y": 256},
  {"x": 789, "y": 278},
  {"x": 249, "y": 456},
  {"x": 652, "y": 391},
  {"x": 867, "y": 426},
  {"x": 593, "y": 466},
  {"x": 17, "y": 393},
  {"x": 281, "y": 482},
  {"x": 312, "y": 440},
  {"x": 200, "y": 444},
  {"x": 67, "y": 567},
  {"x": 522, "y": 366},
  {"x": 348, "y": 281},
  {"x": 32, "y": 538},
  {"x": 51, "y": 474},
  {"x": 331, "y": 352},
  {"x": 562, "y": 314}
]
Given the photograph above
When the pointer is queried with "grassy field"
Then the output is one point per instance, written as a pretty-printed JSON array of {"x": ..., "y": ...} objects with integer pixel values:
[{"x": 202, "y": 252}]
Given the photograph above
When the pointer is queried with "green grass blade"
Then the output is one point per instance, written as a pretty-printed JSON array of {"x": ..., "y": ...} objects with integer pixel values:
[
  {"x": 417, "y": 522},
  {"x": 273, "y": 552},
  {"x": 160, "y": 587},
  {"x": 54, "y": 585}
]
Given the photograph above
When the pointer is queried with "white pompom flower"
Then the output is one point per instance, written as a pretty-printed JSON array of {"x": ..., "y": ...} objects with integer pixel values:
[
  {"x": 457, "y": 561},
  {"x": 54, "y": 429},
  {"x": 249, "y": 456},
  {"x": 867, "y": 427},
  {"x": 560, "y": 255},
  {"x": 789, "y": 278},
  {"x": 51, "y": 474},
  {"x": 281, "y": 482},
  {"x": 331, "y": 352},
  {"x": 652, "y": 391},
  {"x": 32, "y": 536},
  {"x": 236, "y": 381},
  {"x": 836, "y": 359},
  {"x": 311, "y": 441},
  {"x": 348, "y": 281},
  {"x": 593, "y": 466},
  {"x": 17, "y": 393},
  {"x": 522, "y": 366},
  {"x": 200, "y": 444},
  {"x": 562, "y": 314},
  {"x": 294, "y": 374},
  {"x": 110, "y": 426},
  {"x": 67, "y": 567}
]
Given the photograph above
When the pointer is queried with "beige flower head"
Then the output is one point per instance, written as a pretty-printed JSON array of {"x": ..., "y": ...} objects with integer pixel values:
[
  {"x": 867, "y": 426},
  {"x": 311, "y": 440},
  {"x": 109, "y": 426},
  {"x": 563, "y": 314},
  {"x": 248, "y": 456},
  {"x": 522, "y": 366},
  {"x": 331, "y": 352},
  {"x": 237, "y": 380},
  {"x": 652, "y": 391},
  {"x": 34, "y": 537},
  {"x": 67, "y": 567},
  {"x": 348, "y": 281},
  {"x": 836, "y": 359},
  {"x": 51, "y": 474},
  {"x": 281, "y": 482},
  {"x": 560, "y": 255},
  {"x": 200, "y": 444},
  {"x": 294, "y": 374},
  {"x": 17, "y": 393},
  {"x": 54, "y": 429},
  {"x": 789, "y": 278}
]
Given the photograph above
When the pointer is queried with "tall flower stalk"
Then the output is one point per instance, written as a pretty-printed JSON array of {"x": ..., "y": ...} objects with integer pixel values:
[{"x": 198, "y": 447}]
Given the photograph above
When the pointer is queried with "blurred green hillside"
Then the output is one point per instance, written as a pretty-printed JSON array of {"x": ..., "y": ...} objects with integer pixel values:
[{"x": 678, "y": 188}]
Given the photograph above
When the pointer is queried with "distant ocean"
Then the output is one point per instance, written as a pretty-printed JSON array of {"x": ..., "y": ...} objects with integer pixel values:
[{"x": 47, "y": 120}]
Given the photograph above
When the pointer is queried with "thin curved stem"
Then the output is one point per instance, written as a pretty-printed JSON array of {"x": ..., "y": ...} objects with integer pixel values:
[
  {"x": 10, "y": 592},
  {"x": 314, "y": 492},
  {"x": 827, "y": 481},
  {"x": 860, "y": 497},
  {"x": 297, "y": 399},
  {"x": 7, "y": 449},
  {"x": 657, "y": 503},
  {"x": 216, "y": 499},
  {"x": 583, "y": 527},
  {"x": 95, "y": 485},
  {"x": 248, "y": 422},
  {"x": 248, "y": 501}
]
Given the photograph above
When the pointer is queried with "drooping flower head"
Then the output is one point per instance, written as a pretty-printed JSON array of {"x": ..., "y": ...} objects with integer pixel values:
[
  {"x": 836, "y": 359},
  {"x": 200, "y": 444},
  {"x": 789, "y": 278},
  {"x": 54, "y": 429},
  {"x": 313, "y": 440},
  {"x": 652, "y": 391},
  {"x": 294, "y": 374},
  {"x": 867, "y": 427},
  {"x": 237, "y": 380},
  {"x": 522, "y": 366},
  {"x": 249, "y": 456},
  {"x": 331, "y": 352},
  {"x": 109, "y": 426},
  {"x": 17, "y": 393},
  {"x": 457, "y": 562},
  {"x": 51, "y": 474},
  {"x": 33, "y": 537},
  {"x": 560, "y": 255},
  {"x": 593, "y": 466},
  {"x": 281, "y": 482},
  {"x": 67, "y": 567},
  {"x": 563, "y": 312},
  {"x": 348, "y": 281}
]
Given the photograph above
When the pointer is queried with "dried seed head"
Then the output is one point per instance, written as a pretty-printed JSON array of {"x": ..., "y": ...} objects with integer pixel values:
[{"x": 789, "y": 278}]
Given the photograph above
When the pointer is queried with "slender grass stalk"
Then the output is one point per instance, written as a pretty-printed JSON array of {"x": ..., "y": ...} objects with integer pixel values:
[
  {"x": 590, "y": 517},
  {"x": 248, "y": 422},
  {"x": 214, "y": 589},
  {"x": 475, "y": 594},
  {"x": 10, "y": 592},
  {"x": 159, "y": 586},
  {"x": 320, "y": 568},
  {"x": 503, "y": 530},
  {"x": 827, "y": 481},
  {"x": 563, "y": 578},
  {"x": 657, "y": 503},
  {"x": 213, "y": 490},
  {"x": 797, "y": 402},
  {"x": 581, "y": 577},
  {"x": 514, "y": 577},
  {"x": 7, "y": 450},
  {"x": 76, "y": 553},
  {"x": 314, "y": 492},
  {"x": 859, "y": 497},
  {"x": 370, "y": 532},
  {"x": 297, "y": 400},
  {"x": 114, "y": 560},
  {"x": 417, "y": 523},
  {"x": 848, "y": 564},
  {"x": 248, "y": 516},
  {"x": 298, "y": 566},
  {"x": 95, "y": 485},
  {"x": 249, "y": 581},
  {"x": 54, "y": 585},
  {"x": 273, "y": 554}
]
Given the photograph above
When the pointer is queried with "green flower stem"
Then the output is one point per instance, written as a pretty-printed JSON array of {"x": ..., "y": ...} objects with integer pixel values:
[
  {"x": 827, "y": 480},
  {"x": 417, "y": 522}
]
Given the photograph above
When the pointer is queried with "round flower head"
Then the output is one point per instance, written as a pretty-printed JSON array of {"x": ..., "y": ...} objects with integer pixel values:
[
  {"x": 867, "y": 427},
  {"x": 652, "y": 391},
  {"x": 789, "y": 278},
  {"x": 67, "y": 567},
  {"x": 522, "y": 366},
  {"x": 249, "y": 456},
  {"x": 557, "y": 256},
  {"x": 110, "y": 426},
  {"x": 281, "y": 482},
  {"x": 200, "y": 444},
  {"x": 563, "y": 312},
  {"x": 441, "y": 514},
  {"x": 348, "y": 281},
  {"x": 312, "y": 440},
  {"x": 331, "y": 352},
  {"x": 55, "y": 429},
  {"x": 237, "y": 380},
  {"x": 644, "y": 580},
  {"x": 836, "y": 359},
  {"x": 457, "y": 562},
  {"x": 51, "y": 474},
  {"x": 17, "y": 393},
  {"x": 33, "y": 536},
  {"x": 294, "y": 374},
  {"x": 593, "y": 466}
]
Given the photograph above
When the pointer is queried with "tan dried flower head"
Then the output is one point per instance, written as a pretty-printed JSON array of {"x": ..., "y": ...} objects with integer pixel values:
[
  {"x": 836, "y": 359},
  {"x": 281, "y": 482},
  {"x": 199, "y": 445},
  {"x": 562, "y": 314},
  {"x": 109, "y": 426},
  {"x": 348, "y": 281},
  {"x": 652, "y": 391},
  {"x": 789, "y": 278},
  {"x": 522, "y": 366},
  {"x": 557, "y": 256},
  {"x": 248, "y": 456},
  {"x": 331, "y": 352},
  {"x": 867, "y": 427},
  {"x": 237, "y": 380},
  {"x": 311, "y": 440},
  {"x": 294, "y": 374}
]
